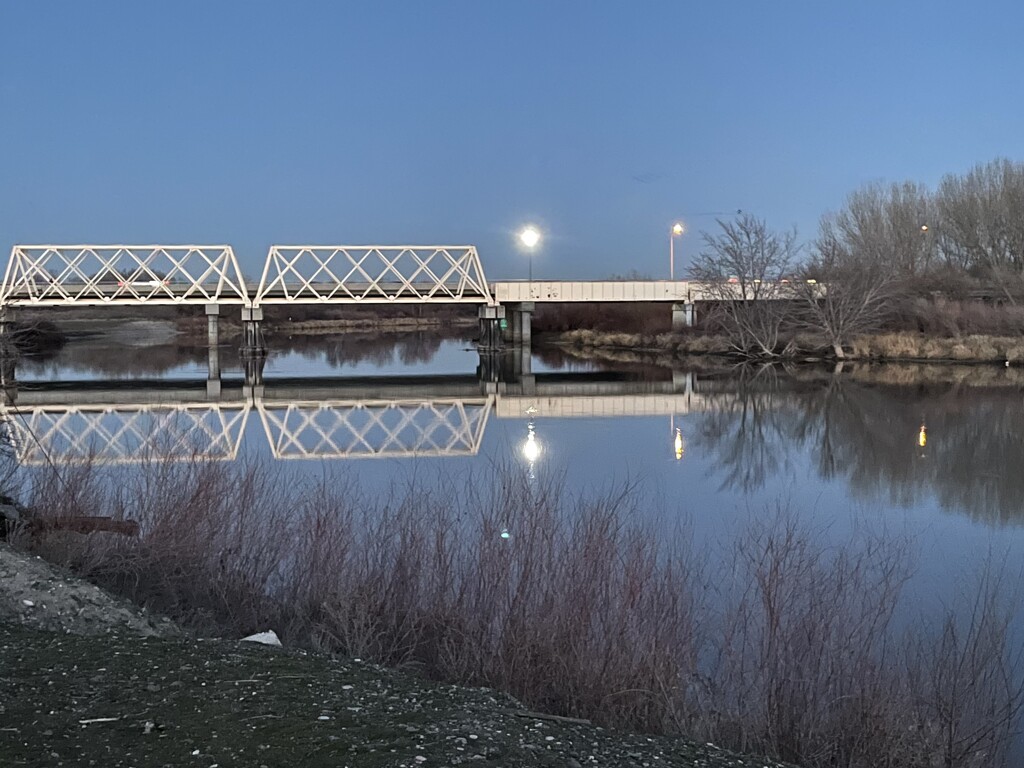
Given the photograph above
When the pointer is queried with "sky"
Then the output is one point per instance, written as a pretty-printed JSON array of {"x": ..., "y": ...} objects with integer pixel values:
[{"x": 378, "y": 121}]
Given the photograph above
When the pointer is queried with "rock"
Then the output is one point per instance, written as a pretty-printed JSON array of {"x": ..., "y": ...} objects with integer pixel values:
[{"x": 264, "y": 638}]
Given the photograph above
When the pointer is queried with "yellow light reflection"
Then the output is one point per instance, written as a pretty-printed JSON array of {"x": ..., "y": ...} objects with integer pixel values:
[
  {"x": 922, "y": 436},
  {"x": 678, "y": 445}
]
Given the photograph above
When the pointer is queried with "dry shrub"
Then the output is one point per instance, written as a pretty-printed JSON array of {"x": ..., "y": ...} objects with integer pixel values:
[
  {"x": 915, "y": 346},
  {"x": 580, "y": 610},
  {"x": 947, "y": 318},
  {"x": 888, "y": 345}
]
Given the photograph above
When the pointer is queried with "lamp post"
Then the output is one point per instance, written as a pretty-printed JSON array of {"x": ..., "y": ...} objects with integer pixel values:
[
  {"x": 529, "y": 236},
  {"x": 677, "y": 230}
]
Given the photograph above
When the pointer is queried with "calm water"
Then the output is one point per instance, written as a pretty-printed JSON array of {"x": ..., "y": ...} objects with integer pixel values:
[{"x": 842, "y": 450}]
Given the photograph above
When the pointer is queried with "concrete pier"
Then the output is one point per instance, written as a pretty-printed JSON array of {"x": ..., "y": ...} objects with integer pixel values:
[
  {"x": 253, "y": 344},
  {"x": 682, "y": 316},
  {"x": 213, "y": 383},
  {"x": 491, "y": 320},
  {"x": 520, "y": 327},
  {"x": 212, "y": 324}
]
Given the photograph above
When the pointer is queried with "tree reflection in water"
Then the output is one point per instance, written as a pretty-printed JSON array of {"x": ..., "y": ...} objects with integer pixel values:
[{"x": 861, "y": 427}]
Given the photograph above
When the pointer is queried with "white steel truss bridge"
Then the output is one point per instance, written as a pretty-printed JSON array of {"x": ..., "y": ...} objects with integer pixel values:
[
  {"x": 372, "y": 274},
  {"x": 126, "y": 275},
  {"x": 135, "y": 275}
]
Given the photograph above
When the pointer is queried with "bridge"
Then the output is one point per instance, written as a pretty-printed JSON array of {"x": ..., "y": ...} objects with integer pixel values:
[
  {"x": 53, "y": 276},
  {"x": 42, "y": 276},
  {"x": 118, "y": 422}
]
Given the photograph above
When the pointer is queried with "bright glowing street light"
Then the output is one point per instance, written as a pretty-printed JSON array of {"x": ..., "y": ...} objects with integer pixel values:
[
  {"x": 677, "y": 230},
  {"x": 530, "y": 236}
]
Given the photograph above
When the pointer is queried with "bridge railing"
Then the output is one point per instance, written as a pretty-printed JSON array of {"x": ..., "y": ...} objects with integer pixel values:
[
  {"x": 62, "y": 275},
  {"x": 372, "y": 274}
]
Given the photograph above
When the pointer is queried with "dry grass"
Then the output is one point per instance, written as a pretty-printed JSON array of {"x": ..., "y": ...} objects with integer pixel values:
[
  {"x": 678, "y": 343},
  {"x": 787, "y": 649},
  {"x": 917, "y": 346}
]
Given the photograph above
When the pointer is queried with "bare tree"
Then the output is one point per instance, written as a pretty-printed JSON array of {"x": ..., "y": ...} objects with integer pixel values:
[
  {"x": 743, "y": 269},
  {"x": 981, "y": 218},
  {"x": 886, "y": 229},
  {"x": 844, "y": 294}
]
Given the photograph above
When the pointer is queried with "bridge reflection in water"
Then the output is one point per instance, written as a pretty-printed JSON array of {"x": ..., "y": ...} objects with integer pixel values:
[{"x": 119, "y": 422}]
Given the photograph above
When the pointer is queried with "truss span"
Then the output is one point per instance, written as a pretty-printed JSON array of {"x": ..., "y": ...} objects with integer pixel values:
[
  {"x": 125, "y": 434},
  {"x": 359, "y": 429},
  {"x": 84, "y": 275},
  {"x": 373, "y": 274}
]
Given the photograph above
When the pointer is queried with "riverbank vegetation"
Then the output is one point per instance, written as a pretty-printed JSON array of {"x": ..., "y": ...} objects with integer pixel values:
[
  {"x": 875, "y": 265},
  {"x": 779, "y": 643},
  {"x": 900, "y": 260}
]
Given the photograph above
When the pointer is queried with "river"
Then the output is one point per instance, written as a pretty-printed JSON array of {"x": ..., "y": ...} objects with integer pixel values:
[{"x": 929, "y": 455}]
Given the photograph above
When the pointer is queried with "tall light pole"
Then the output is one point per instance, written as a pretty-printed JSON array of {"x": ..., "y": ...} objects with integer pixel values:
[
  {"x": 677, "y": 230},
  {"x": 529, "y": 236}
]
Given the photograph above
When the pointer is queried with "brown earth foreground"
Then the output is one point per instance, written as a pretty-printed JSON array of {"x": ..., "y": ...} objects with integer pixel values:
[{"x": 86, "y": 680}]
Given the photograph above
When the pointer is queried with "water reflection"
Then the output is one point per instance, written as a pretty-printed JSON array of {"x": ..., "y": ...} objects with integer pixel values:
[
  {"x": 103, "y": 356},
  {"x": 531, "y": 448},
  {"x": 897, "y": 434},
  {"x": 873, "y": 436}
]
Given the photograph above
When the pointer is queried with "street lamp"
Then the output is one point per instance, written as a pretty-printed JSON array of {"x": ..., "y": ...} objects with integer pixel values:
[
  {"x": 677, "y": 230},
  {"x": 529, "y": 236}
]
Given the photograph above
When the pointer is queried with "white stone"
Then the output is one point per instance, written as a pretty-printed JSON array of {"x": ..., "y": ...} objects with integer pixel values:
[{"x": 265, "y": 638}]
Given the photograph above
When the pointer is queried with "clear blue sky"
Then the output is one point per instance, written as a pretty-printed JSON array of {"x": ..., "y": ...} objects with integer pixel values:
[{"x": 394, "y": 122}]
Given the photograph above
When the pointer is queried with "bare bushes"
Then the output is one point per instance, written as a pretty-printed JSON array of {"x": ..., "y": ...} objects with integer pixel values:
[
  {"x": 779, "y": 645},
  {"x": 810, "y": 667},
  {"x": 945, "y": 318}
]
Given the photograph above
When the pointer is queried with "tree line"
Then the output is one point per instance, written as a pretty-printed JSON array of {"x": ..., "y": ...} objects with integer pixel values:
[{"x": 887, "y": 244}]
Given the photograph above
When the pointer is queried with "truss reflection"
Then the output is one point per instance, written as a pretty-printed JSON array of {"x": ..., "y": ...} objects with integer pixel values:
[
  {"x": 113, "y": 422},
  {"x": 125, "y": 434},
  {"x": 375, "y": 428}
]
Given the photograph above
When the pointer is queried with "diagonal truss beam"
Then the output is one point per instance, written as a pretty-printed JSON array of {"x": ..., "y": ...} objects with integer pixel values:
[
  {"x": 373, "y": 274},
  {"x": 125, "y": 434},
  {"x": 84, "y": 275},
  {"x": 356, "y": 429}
]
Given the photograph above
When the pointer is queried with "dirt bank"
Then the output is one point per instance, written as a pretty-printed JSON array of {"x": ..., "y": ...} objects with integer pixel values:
[
  {"x": 86, "y": 680},
  {"x": 35, "y": 594}
]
